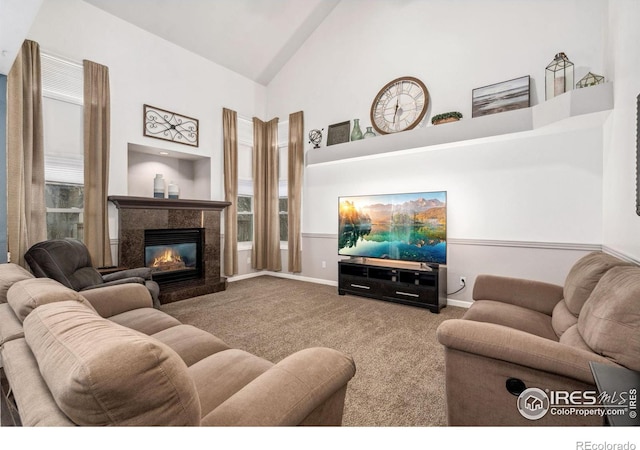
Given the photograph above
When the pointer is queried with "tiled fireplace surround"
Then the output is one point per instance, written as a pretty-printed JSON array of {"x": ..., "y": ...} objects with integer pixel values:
[{"x": 137, "y": 214}]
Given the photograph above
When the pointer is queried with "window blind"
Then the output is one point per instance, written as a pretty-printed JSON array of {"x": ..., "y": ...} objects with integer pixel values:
[{"x": 61, "y": 79}]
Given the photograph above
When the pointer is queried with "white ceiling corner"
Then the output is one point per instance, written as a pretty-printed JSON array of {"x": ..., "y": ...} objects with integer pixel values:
[
  {"x": 254, "y": 38},
  {"x": 16, "y": 18}
]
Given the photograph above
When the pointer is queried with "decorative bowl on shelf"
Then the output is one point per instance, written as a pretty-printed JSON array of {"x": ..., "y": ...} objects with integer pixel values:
[{"x": 452, "y": 116}]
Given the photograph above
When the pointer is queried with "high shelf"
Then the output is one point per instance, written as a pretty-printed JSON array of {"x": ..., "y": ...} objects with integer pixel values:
[
  {"x": 592, "y": 101},
  {"x": 425, "y": 286}
]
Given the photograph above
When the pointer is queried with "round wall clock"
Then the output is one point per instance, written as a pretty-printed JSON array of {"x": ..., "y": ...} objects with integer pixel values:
[{"x": 400, "y": 105}]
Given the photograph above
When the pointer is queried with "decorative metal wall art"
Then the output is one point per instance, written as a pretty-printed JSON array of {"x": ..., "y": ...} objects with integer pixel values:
[{"x": 170, "y": 126}]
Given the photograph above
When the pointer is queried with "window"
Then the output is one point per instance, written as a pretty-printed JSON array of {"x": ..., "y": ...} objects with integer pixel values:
[
  {"x": 62, "y": 105},
  {"x": 64, "y": 210},
  {"x": 245, "y": 218},
  {"x": 245, "y": 181},
  {"x": 283, "y": 211}
]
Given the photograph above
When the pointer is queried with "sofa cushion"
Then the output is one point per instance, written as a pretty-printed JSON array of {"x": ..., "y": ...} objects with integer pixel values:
[
  {"x": 562, "y": 318},
  {"x": 511, "y": 316},
  {"x": 221, "y": 375},
  {"x": 145, "y": 320},
  {"x": 101, "y": 373},
  {"x": 583, "y": 277},
  {"x": 573, "y": 338},
  {"x": 26, "y": 295},
  {"x": 610, "y": 319},
  {"x": 191, "y": 343},
  {"x": 9, "y": 274},
  {"x": 10, "y": 325}
]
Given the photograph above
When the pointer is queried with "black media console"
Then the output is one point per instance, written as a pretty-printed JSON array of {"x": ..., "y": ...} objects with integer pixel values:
[{"x": 424, "y": 286}]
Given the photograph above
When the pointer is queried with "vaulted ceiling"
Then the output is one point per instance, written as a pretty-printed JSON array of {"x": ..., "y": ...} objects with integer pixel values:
[{"x": 254, "y": 38}]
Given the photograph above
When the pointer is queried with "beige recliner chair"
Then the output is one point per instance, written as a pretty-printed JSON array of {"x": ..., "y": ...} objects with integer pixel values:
[{"x": 521, "y": 334}]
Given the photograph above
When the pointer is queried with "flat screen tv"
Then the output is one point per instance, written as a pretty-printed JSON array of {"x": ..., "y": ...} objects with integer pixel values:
[{"x": 404, "y": 227}]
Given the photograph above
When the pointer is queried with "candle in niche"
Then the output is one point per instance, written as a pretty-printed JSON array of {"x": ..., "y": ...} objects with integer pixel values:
[{"x": 174, "y": 191}]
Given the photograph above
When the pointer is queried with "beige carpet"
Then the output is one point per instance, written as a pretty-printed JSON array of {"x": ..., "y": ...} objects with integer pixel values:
[{"x": 399, "y": 377}]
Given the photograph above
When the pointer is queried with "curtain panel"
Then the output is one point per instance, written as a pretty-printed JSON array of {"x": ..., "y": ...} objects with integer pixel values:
[
  {"x": 230, "y": 138},
  {"x": 26, "y": 208},
  {"x": 266, "y": 239},
  {"x": 294, "y": 180},
  {"x": 96, "y": 162}
]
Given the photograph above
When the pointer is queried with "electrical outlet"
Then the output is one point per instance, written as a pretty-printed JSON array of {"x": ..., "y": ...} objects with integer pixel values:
[
  {"x": 324, "y": 264},
  {"x": 463, "y": 281},
  {"x": 248, "y": 259}
]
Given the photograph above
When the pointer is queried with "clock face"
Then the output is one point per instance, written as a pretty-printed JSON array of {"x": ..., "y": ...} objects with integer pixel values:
[{"x": 400, "y": 105}]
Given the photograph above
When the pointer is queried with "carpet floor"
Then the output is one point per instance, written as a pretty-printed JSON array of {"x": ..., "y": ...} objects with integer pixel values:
[{"x": 399, "y": 377}]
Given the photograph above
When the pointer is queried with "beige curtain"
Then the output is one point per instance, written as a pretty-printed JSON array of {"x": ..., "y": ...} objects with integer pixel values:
[
  {"x": 266, "y": 239},
  {"x": 230, "y": 137},
  {"x": 26, "y": 209},
  {"x": 96, "y": 162},
  {"x": 294, "y": 180}
]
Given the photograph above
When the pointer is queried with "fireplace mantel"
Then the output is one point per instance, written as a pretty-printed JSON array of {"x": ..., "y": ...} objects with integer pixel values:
[{"x": 127, "y": 202}]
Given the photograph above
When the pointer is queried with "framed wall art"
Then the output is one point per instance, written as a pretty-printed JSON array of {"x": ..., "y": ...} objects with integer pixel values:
[
  {"x": 170, "y": 126},
  {"x": 339, "y": 133},
  {"x": 500, "y": 97}
]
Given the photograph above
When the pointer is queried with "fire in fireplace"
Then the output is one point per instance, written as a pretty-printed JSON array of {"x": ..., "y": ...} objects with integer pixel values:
[{"x": 174, "y": 254}]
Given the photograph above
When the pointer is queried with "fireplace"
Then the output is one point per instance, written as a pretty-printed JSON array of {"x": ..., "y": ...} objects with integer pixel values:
[
  {"x": 175, "y": 255},
  {"x": 137, "y": 216}
]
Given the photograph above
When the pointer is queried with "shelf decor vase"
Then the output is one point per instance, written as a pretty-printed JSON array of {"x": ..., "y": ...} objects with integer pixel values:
[
  {"x": 158, "y": 186},
  {"x": 173, "y": 190},
  {"x": 369, "y": 133},
  {"x": 356, "y": 133}
]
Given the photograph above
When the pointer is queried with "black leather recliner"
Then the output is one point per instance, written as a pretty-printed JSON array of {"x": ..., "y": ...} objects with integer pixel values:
[{"x": 68, "y": 262}]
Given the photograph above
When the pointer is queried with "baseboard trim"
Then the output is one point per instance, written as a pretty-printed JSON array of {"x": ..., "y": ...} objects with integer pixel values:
[
  {"x": 450, "y": 302},
  {"x": 459, "y": 303},
  {"x": 282, "y": 275}
]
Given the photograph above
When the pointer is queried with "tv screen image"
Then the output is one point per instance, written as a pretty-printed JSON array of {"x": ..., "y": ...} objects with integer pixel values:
[{"x": 405, "y": 227}]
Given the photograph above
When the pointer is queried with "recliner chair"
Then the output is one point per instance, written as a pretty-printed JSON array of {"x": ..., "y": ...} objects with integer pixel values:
[
  {"x": 521, "y": 334},
  {"x": 68, "y": 262}
]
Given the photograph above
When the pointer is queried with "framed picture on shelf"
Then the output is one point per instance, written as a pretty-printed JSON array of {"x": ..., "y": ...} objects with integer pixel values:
[
  {"x": 500, "y": 97},
  {"x": 339, "y": 133}
]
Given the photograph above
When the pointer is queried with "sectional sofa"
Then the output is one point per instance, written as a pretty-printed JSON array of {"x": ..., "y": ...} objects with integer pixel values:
[{"x": 107, "y": 357}]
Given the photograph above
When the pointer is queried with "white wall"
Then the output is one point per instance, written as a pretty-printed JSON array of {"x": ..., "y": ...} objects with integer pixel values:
[
  {"x": 537, "y": 194},
  {"x": 146, "y": 69},
  {"x": 621, "y": 224},
  {"x": 453, "y": 46}
]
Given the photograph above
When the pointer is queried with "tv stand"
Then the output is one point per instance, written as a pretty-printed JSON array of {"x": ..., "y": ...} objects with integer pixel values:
[{"x": 415, "y": 285}]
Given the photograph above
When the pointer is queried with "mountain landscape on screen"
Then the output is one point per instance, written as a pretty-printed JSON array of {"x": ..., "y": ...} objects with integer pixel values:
[{"x": 407, "y": 227}]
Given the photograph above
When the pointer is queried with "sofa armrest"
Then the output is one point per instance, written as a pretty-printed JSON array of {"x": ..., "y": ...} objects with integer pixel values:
[
  {"x": 535, "y": 295},
  {"x": 288, "y": 392},
  {"x": 141, "y": 272},
  {"x": 518, "y": 347},
  {"x": 111, "y": 300}
]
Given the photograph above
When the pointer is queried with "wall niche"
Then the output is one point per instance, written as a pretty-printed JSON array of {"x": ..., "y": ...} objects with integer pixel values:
[{"x": 192, "y": 173}]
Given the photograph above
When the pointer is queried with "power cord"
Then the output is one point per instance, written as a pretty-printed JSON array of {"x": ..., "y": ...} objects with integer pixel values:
[{"x": 464, "y": 285}]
